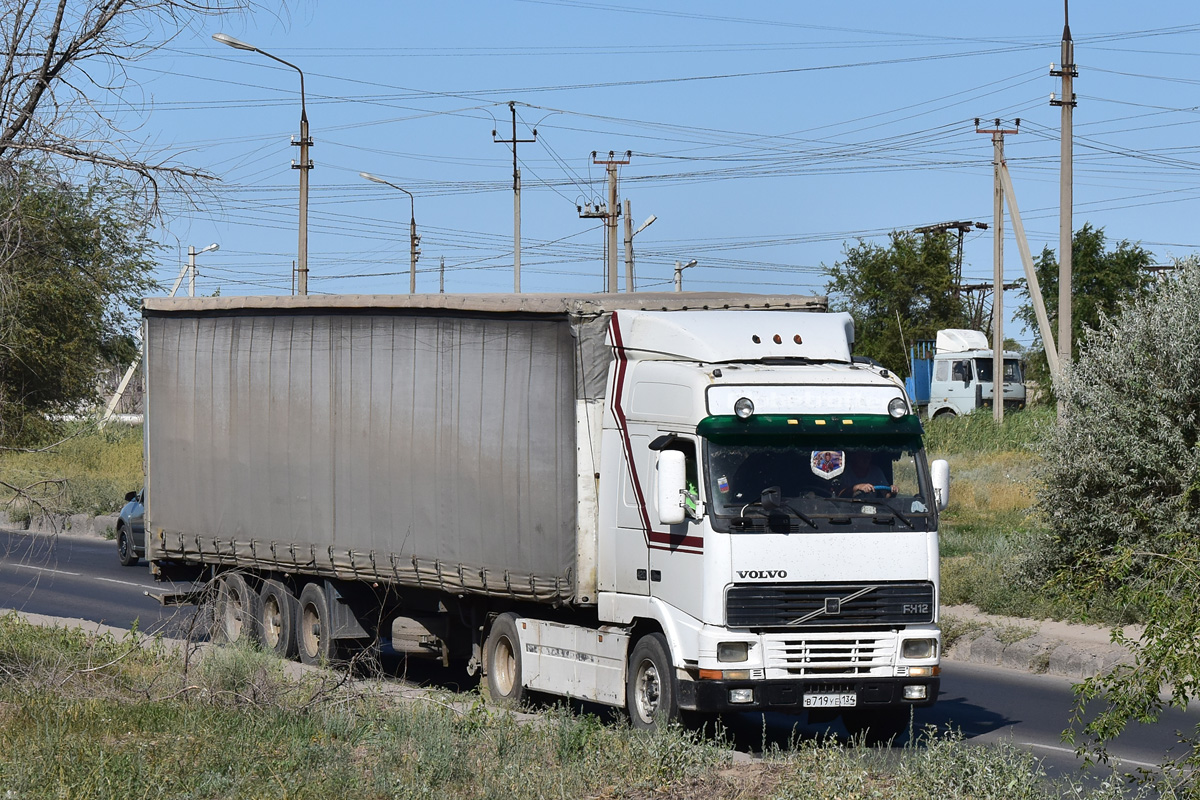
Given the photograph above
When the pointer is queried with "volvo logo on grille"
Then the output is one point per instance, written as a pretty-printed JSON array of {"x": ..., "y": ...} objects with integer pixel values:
[
  {"x": 833, "y": 605},
  {"x": 759, "y": 574}
]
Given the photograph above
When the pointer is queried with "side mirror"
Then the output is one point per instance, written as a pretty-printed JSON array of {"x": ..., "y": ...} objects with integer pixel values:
[
  {"x": 130, "y": 495},
  {"x": 672, "y": 483},
  {"x": 939, "y": 472}
]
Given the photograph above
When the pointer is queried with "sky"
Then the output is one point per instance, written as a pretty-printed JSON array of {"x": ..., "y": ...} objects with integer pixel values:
[{"x": 766, "y": 137}]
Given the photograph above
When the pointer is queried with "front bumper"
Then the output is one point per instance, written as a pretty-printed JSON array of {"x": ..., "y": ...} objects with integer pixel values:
[{"x": 712, "y": 696}]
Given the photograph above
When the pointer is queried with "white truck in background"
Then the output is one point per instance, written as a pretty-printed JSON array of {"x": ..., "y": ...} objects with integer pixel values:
[
  {"x": 952, "y": 375},
  {"x": 668, "y": 503}
]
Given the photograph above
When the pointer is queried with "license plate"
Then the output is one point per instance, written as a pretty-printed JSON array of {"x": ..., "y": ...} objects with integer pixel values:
[{"x": 830, "y": 700}]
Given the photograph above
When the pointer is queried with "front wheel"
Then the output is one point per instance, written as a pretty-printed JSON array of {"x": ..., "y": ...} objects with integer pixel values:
[
  {"x": 651, "y": 691},
  {"x": 125, "y": 551}
]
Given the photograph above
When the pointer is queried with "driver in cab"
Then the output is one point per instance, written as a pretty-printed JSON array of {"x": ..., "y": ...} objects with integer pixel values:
[{"x": 863, "y": 476}]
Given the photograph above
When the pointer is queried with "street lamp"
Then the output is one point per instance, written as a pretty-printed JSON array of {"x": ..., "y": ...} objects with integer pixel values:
[
  {"x": 414, "y": 241},
  {"x": 192, "y": 253},
  {"x": 629, "y": 234},
  {"x": 304, "y": 166},
  {"x": 679, "y": 273}
]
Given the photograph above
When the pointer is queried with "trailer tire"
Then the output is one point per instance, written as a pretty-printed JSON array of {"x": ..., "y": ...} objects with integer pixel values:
[
  {"x": 502, "y": 656},
  {"x": 277, "y": 614},
  {"x": 313, "y": 626},
  {"x": 125, "y": 551},
  {"x": 236, "y": 613},
  {"x": 651, "y": 690}
]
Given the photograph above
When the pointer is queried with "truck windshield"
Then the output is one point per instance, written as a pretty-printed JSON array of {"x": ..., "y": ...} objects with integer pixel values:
[
  {"x": 1012, "y": 370},
  {"x": 804, "y": 485}
]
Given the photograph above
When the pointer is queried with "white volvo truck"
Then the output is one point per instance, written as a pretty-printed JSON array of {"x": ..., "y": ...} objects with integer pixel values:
[{"x": 668, "y": 503}]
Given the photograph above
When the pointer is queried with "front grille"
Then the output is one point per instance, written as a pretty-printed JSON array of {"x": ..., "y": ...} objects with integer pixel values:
[
  {"x": 824, "y": 605},
  {"x": 835, "y": 656}
]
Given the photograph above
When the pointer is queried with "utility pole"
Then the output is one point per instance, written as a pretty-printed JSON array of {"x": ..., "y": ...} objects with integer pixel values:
[
  {"x": 961, "y": 228},
  {"x": 1065, "y": 193},
  {"x": 442, "y": 276},
  {"x": 414, "y": 250},
  {"x": 514, "y": 141},
  {"x": 628, "y": 247},
  {"x": 997, "y": 134},
  {"x": 614, "y": 212}
]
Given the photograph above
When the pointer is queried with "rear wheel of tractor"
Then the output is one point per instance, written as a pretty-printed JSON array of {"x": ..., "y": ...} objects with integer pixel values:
[
  {"x": 651, "y": 693},
  {"x": 277, "y": 618},
  {"x": 877, "y": 727},
  {"x": 236, "y": 612},
  {"x": 313, "y": 630},
  {"x": 502, "y": 655},
  {"x": 125, "y": 551}
]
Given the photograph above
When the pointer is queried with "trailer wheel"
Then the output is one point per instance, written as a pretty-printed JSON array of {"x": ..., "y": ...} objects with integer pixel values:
[
  {"x": 651, "y": 693},
  {"x": 125, "y": 551},
  {"x": 277, "y": 618},
  {"x": 503, "y": 658},
  {"x": 313, "y": 627},
  {"x": 236, "y": 614},
  {"x": 877, "y": 727}
]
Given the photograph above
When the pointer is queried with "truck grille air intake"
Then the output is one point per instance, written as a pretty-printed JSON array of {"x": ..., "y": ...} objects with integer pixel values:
[{"x": 828, "y": 605}]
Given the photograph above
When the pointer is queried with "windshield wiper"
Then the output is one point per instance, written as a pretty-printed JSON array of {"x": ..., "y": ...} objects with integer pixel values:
[
  {"x": 876, "y": 501},
  {"x": 772, "y": 500}
]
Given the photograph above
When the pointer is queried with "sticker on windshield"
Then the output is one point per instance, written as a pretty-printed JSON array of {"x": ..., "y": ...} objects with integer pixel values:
[
  {"x": 723, "y": 484},
  {"x": 828, "y": 464}
]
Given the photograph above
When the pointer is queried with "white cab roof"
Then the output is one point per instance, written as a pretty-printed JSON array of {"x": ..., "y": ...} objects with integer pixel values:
[{"x": 714, "y": 337}]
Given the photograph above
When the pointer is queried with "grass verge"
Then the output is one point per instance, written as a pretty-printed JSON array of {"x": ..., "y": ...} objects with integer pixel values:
[
  {"x": 87, "y": 473},
  {"x": 97, "y": 717}
]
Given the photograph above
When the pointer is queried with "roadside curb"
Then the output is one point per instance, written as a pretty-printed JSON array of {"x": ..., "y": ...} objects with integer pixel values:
[
  {"x": 103, "y": 526},
  {"x": 1042, "y": 647}
]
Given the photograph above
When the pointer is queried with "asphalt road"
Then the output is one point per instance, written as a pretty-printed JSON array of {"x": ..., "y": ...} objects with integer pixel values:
[{"x": 80, "y": 577}]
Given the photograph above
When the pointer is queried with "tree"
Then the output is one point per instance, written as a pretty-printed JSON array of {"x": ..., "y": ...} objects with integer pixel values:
[
  {"x": 63, "y": 62},
  {"x": 907, "y": 285},
  {"x": 1101, "y": 282},
  {"x": 1120, "y": 489},
  {"x": 70, "y": 295}
]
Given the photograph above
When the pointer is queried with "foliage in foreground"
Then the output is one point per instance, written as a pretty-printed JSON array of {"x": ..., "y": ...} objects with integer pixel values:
[
  {"x": 96, "y": 717},
  {"x": 1121, "y": 491}
]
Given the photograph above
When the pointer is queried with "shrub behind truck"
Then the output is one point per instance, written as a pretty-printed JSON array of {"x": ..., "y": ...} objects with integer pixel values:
[{"x": 652, "y": 501}]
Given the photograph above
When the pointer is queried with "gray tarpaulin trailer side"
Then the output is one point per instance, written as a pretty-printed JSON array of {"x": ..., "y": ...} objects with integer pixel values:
[{"x": 440, "y": 441}]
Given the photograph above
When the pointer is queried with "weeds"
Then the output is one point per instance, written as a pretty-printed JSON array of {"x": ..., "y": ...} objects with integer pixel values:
[{"x": 243, "y": 725}]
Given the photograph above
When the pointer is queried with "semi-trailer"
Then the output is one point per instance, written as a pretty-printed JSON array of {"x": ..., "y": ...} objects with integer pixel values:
[{"x": 667, "y": 503}]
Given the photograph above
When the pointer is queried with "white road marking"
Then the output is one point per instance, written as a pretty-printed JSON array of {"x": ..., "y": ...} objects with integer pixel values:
[
  {"x": 77, "y": 575},
  {"x": 123, "y": 583},
  {"x": 1072, "y": 751},
  {"x": 43, "y": 569}
]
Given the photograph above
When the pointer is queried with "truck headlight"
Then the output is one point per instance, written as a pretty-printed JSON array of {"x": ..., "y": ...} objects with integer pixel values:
[
  {"x": 732, "y": 651},
  {"x": 919, "y": 648},
  {"x": 744, "y": 407},
  {"x": 897, "y": 408}
]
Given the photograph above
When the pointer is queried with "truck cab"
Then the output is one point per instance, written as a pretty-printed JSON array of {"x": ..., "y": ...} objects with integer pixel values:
[
  {"x": 952, "y": 375},
  {"x": 775, "y": 515}
]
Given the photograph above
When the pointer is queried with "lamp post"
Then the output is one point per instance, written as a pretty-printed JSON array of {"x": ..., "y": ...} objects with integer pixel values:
[
  {"x": 629, "y": 234},
  {"x": 414, "y": 241},
  {"x": 679, "y": 273},
  {"x": 304, "y": 166},
  {"x": 192, "y": 253}
]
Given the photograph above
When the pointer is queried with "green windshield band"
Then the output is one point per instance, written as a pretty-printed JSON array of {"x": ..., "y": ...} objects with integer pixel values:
[{"x": 867, "y": 429}]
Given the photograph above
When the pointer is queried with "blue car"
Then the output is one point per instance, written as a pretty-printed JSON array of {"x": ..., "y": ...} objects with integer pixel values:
[{"x": 131, "y": 530}]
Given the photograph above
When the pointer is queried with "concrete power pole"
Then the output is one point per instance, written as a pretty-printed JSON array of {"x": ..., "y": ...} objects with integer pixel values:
[
  {"x": 997, "y": 134},
  {"x": 628, "y": 247},
  {"x": 1065, "y": 193},
  {"x": 514, "y": 141},
  {"x": 614, "y": 212}
]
